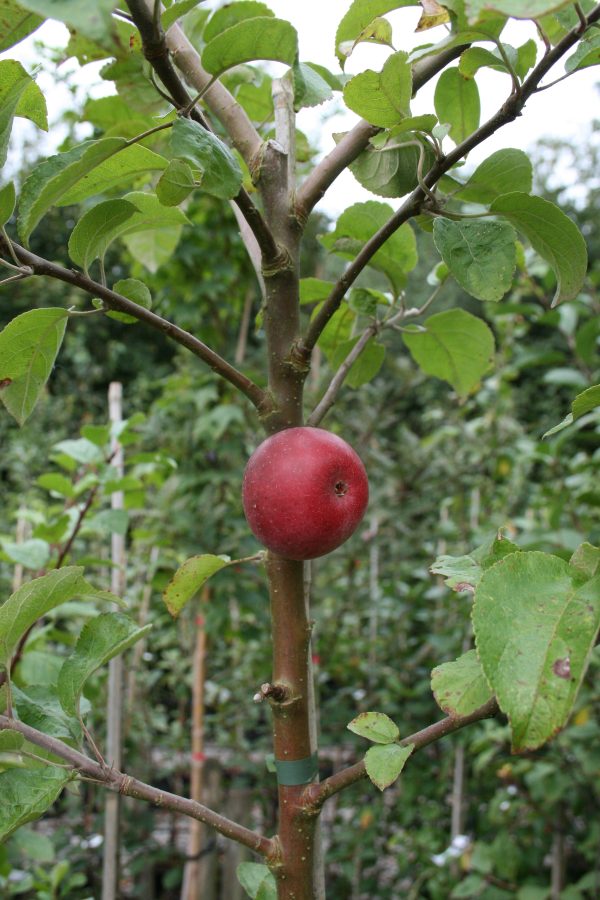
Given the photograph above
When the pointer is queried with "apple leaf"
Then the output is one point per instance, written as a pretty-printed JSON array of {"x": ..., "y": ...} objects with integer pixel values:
[
  {"x": 7, "y": 202},
  {"x": 29, "y": 345},
  {"x": 385, "y": 763},
  {"x": 261, "y": 37},
  {"x": 587, "y": 559},
  {"x": 376, "y": 727},
  {"x": 456, "y": 347},
  {"x": 34, "y": 599},
  {"x": 16, "y": 23},
  {"x": 360, "y": 222},
  {"x": 92, "y": 20},
  {"x": 132, "y": 289},
  {"x": 582, "y": 404},
  {"x": 481, "y": 255},
  {"x": 503, "y": 171},
  {"x": 358, "y": 18},
  {"x": 19, "y": 96},
  {"x": 536, "y": 621},
  {"x": 552, "y": 234},
  {"x": 189, "y": 578},
  {"x": 101, "y": 639},
  {"x": 463, "y": 573},
  {"x": 456, "y": 102},
  {"x": 460, "y": 687},
  {"x": 257, "y": 881},
  {"x": 32, "y": 554},
  {"x": 221, "y": 173},
  {"x": 27, "y": 794},
  {"x": 518, "y": 9},
  {"x": 176, "y": 183},
  {"x": 232, "y": 13},
  {"x": 382, "y": 98}
]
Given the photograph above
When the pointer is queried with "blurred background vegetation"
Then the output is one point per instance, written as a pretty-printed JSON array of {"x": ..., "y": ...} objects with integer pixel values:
[{"x": 466, "y": 819}]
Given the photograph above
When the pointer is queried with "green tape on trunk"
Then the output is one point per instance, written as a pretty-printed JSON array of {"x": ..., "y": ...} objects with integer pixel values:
[{"x": 297, "y": 771}]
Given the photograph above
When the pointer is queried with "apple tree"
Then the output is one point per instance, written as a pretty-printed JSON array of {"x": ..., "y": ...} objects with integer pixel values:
[{"x": 195, "y": 113}]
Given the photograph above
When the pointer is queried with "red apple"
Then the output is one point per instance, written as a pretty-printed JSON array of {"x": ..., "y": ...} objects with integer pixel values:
[{"x": 305, "y": 490}]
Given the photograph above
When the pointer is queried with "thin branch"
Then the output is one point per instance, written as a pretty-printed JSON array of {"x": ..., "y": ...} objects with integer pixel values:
[
  {"x": 356, "y": 140},
  {"x": 157, "y": 53},
  {"x": 82, "y": 514},
  {"x": 413, "y": 204},
  {"x": 131, "y": 787},
  {"x": 330, "y": 396},
  {"x": 218, "y": 99},
  {"x": 316, "y": 794},
  {"x": 113, "y": 300}
]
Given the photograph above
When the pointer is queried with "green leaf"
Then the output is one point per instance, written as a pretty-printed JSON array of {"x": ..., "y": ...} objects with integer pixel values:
[
  {"x": 33, "y": 554},
  {"x": 456, "y": 102},
  {"x": 110, "y": 521},
  {"x": 587, "y": 559},
  {"x": 19, "y": 96},
  {"x": 81, "y": 450},
  {"x": 382, "y": 98},
  {"x": 35, "y": 846},
  {"x": 456, "y": 347},
  {"x": 124, "y": 167},
  {"x": 132, "y": 289},
  {"x": 503, "y": 171},
  {"x": 551, "y": 234},
  {"x": 535, "y": 625},
  {"x": 376, "y": 727},
  {"x": 476, "y": 58},
  {"x": 518, "y": 9},
  {"x": 189, "y": 578},
  {"x": 39, "y": 707},
  {"x": 231, "y": 14},
  {"x": 389, "y": 169},
  {"x": 583, "y": 403},
  {"x": 258, "y": 38},
  {"x": 17, "y": 24},
  {"x": 97, "y": 229},
  {"x": 464, "y": 573},
  {"x": 481, "y": 255},
  {"x": 10, "y": 741},
  {"x": 384, "y": 764},
  {"x": 176, "y": 183},
  {"x": 221, "y": 173},
  {"x": 360, "y": 222},
  {"x": 313, "y": 289},
  {"x": 177, "y": 9},
  {"x": 101, "y": 639},
  {"x": 27, "y": 794},
  {"x": 56, "y": 483},
  {"x": 460, "y": 687},
  {"x": 29, "y": 345},
  {"x": 136, "y": 212},
  {"x": 33, "y": 600},
  {"x": 310, "y": 88},
  {"x": 7, "y": 202},
  {"x": 586, "y": 54},
  {"x": 366, "y": 367},
  {"x": 51, "y": 179},
  {"x": 92, "y": 20},
  {"x": 359, "y": 16},
  {"x": 255, "y": 877},
  {"x": 526, "y": 58}
]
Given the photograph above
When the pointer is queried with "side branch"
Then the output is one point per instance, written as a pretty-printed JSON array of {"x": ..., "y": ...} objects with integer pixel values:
[
  {"x": 156, "y": 51},
  {"x": 316, "y": 794},
  {"x": 414, "y": 203},
  {"x": 357, "y": 139},
  {"x": 131, "y": 787},
  {"x": 113, "y": 300}
]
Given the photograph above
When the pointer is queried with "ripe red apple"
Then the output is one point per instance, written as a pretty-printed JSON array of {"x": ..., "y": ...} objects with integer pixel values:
[{"x": 305, "y": 490}]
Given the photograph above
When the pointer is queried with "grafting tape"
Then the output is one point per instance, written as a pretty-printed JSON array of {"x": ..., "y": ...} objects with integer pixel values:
[{"x": 297, "y": 771}]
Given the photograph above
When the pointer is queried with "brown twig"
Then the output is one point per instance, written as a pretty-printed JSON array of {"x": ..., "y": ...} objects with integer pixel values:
[
  {"x": 113, "y": 300},
  {"x": 316, "y": 794},
  {"x": 131, "y": 787}
]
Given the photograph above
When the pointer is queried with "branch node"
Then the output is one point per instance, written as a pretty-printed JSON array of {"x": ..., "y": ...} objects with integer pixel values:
[
  {"x": 282, "y": 262},
  {"x": 299, "y": 358}
]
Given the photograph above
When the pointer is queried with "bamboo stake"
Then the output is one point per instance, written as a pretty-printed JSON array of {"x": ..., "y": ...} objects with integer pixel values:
[
  {"x": 192, "y": 880},
  {"x": 114, "y": 747}
]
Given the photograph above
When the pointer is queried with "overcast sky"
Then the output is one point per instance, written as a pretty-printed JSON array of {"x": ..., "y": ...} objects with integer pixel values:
[{"x": 563, "y": 111}]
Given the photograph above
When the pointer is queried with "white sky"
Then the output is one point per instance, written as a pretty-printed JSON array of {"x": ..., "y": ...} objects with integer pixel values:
[{"x": 562, "y": 111}]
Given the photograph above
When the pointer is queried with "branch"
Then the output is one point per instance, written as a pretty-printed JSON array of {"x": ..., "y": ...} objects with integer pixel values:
[
  {"x": 131, "y": 787},
  {"x": 113, "y": 300},
  {"x": 156, "y": 52},
  {"x": 316, "y": 794},
  {"x": 330, "y": 396},
  {"x": 356, "y": 140},
  {"x": 508, "y": 112}
]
